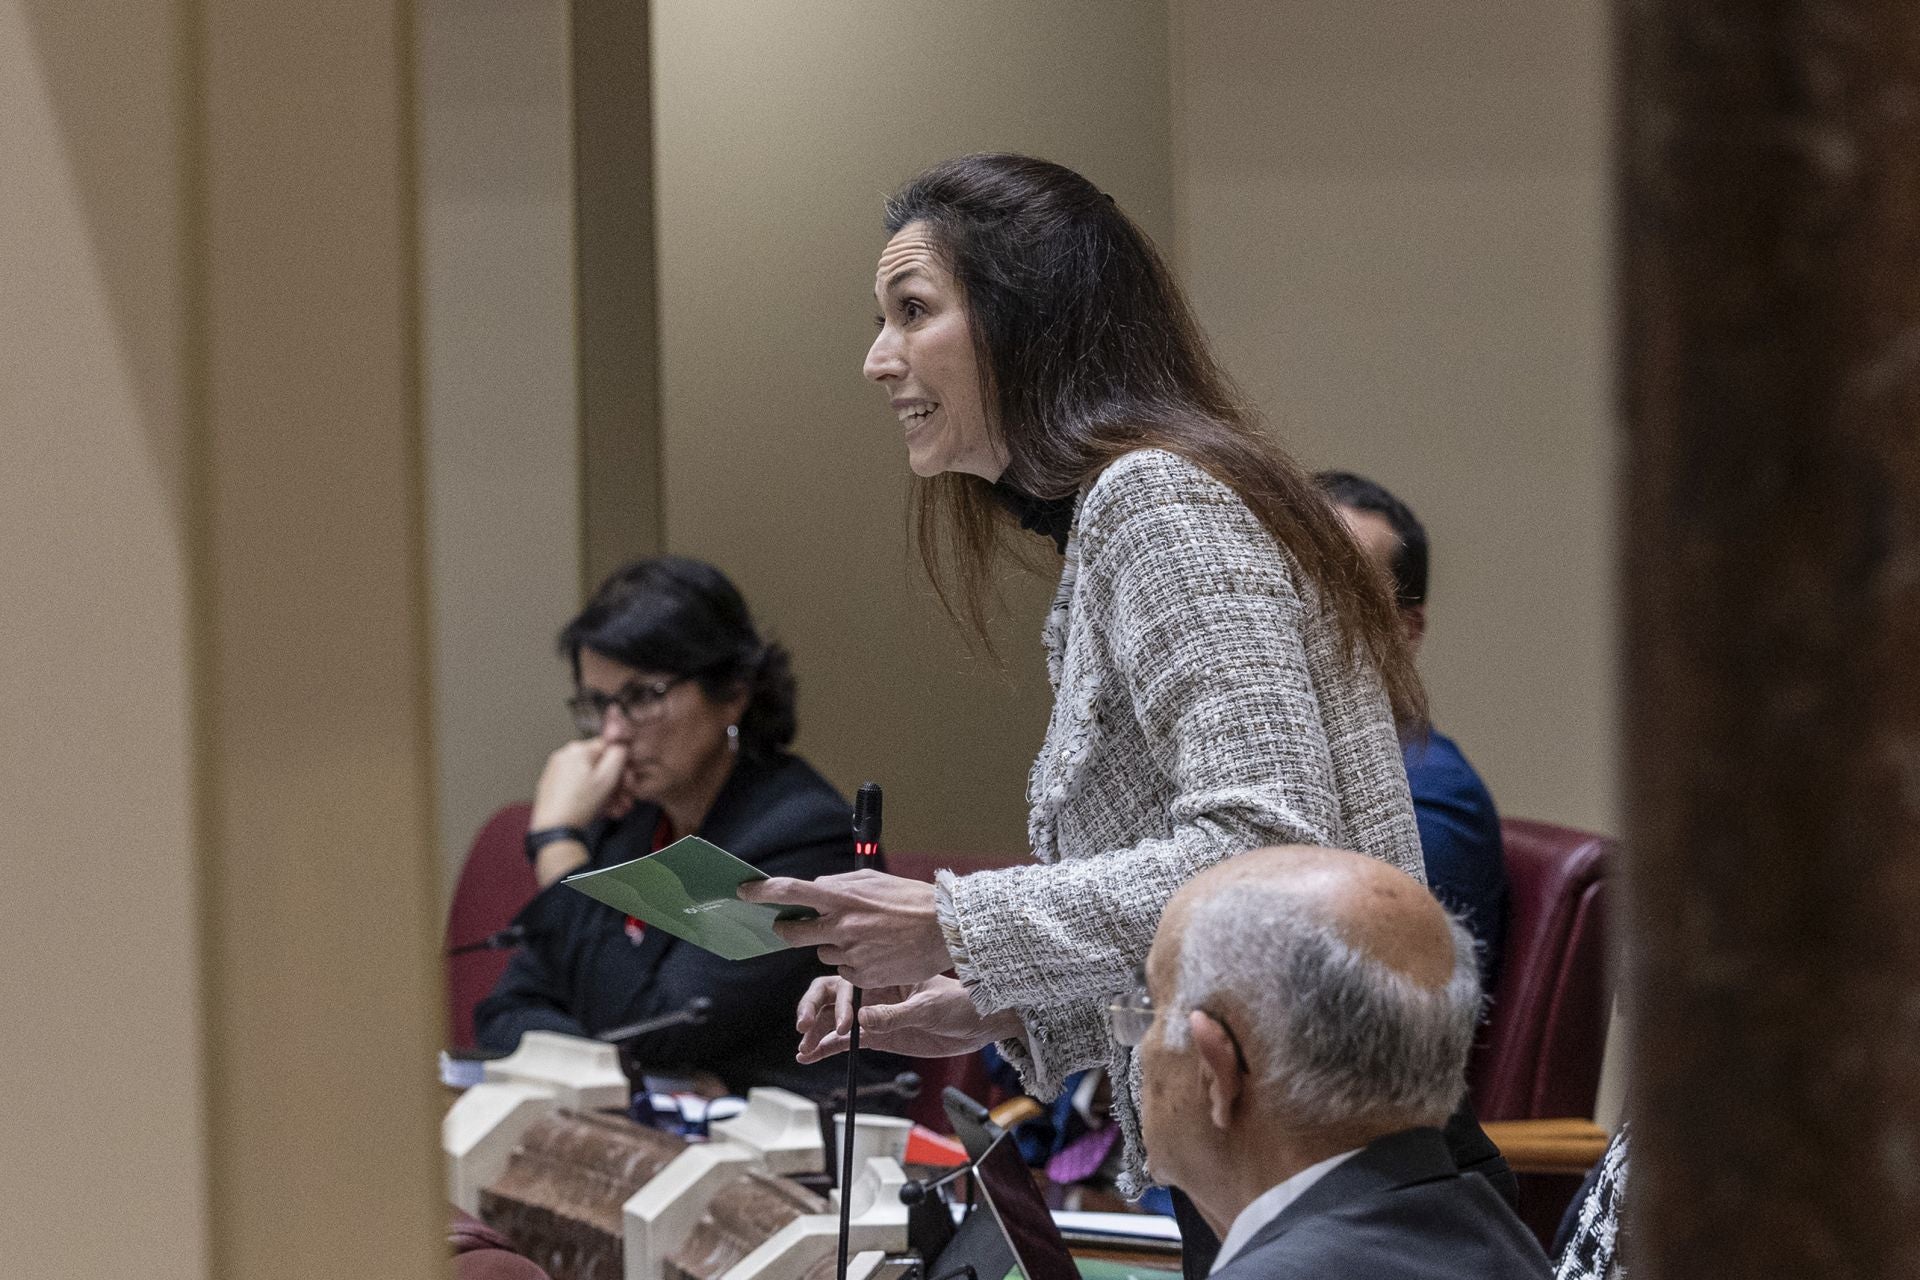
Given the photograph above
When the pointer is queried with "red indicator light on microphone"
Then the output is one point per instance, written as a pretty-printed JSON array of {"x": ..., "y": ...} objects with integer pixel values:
[{"x": 866, "y": 820}]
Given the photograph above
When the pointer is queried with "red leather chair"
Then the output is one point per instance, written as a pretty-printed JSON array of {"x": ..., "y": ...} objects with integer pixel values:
[
  {"x": 494, "y": 884},
  {"x": 1540, "y": 1052},
  {"x": 481, "y": 1253},
  {"x": 968, "y": 1071}
]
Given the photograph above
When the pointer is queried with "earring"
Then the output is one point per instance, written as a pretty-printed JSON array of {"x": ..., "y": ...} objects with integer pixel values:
[{"x": 733, "y": 738}]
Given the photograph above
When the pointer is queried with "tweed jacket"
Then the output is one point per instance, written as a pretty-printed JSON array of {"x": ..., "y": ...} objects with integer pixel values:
[{"x": 1203, "y": 706}]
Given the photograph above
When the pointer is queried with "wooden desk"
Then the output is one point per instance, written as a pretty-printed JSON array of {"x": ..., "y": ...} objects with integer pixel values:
[{"x": 1559, "y": 1146}]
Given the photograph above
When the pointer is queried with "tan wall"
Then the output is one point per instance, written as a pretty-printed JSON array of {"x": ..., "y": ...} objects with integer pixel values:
[
  {"x": 1393, "y": 221},
  {"x": 100, "y": 1105},
  {"x": 223, "y": 990},
  {"x": 502, "y": 436},
  {"x": 781, "y": 126}
]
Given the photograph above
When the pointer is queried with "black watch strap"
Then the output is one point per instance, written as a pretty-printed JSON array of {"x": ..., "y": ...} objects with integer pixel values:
[{"x": 538, "y": 840}]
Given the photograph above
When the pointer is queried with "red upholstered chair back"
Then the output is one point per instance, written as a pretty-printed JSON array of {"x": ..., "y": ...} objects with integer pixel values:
[
  {"x": 494, "y": 884},
  {"x": 1539, "y": 1054},
  {"x": 968, "y": 1072},
  {"x": 481, "y": 1253}
]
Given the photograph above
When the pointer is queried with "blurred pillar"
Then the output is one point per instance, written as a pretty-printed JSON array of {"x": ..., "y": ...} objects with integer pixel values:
[{"x": 1770, "y": 299}]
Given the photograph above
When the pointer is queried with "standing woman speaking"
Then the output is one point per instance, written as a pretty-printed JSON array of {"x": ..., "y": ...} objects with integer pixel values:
[{"x": 1227, "y": 667}]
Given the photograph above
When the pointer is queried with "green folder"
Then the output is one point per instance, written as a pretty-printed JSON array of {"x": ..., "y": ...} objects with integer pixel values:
[{"x": 690, "y": 889}]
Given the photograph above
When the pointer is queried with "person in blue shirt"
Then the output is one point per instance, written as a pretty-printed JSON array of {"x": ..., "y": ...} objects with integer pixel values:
[{"x": 1459, "y": 827}]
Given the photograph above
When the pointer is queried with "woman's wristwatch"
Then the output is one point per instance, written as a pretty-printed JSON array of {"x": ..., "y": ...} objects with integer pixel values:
[{"x": 538, "y": 840}]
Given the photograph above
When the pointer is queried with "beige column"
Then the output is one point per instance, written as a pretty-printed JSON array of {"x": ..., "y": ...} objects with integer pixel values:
[
  {"x": 223, "y": 994},
  {"x": 102, "y": 1110},
  {"x": 621, "y": 512},
  {"x": 319, "y": 915},
  {"x": 501, "y": 393}
]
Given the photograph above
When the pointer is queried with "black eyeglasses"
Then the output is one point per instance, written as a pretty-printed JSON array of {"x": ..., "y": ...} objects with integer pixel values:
[
  {"x": 1131, "y": 1017},
  {"x": 639, "y": 701}
]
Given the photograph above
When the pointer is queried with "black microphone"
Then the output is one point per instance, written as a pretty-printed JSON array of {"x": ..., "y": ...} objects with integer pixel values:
[
  {"x": 866, "y": 821},
  {"x": 912, "y": 1193},
  {"x": 691, "y": 1014},
  {"x": 503, "y": 940}
]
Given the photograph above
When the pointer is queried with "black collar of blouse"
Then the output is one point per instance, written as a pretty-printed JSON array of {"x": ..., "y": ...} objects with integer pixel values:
[{"x": 1051, "y": 518}]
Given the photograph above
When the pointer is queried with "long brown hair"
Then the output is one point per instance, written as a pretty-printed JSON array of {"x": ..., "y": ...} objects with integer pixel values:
[{"x": 1087, "y": 351}]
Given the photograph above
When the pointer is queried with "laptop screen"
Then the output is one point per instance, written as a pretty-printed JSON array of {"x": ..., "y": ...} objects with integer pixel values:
[{"x": 1011, "y": 1193}]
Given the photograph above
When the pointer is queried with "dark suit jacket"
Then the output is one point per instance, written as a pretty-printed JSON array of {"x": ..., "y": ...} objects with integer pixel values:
[
  {"x": 580, "y": 973},
  {"x": 1460, "y": 839},
  {"x": 1397, "y": 1209}
]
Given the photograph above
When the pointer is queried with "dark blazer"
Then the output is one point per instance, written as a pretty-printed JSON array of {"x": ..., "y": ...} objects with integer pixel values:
[
  {"x": 1397, "y": 1209},
  {"x": 581, "y": 973},
  {"x": 1460, "y": 839}
]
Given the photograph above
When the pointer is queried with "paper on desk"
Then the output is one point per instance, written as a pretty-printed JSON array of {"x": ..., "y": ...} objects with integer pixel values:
[
  {"x": 690, "y": 889},
  {"x": 1139, "y": 1226}
]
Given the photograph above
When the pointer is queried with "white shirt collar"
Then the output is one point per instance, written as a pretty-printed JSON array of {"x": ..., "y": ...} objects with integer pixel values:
[{"x": 1270, "y": 1203}]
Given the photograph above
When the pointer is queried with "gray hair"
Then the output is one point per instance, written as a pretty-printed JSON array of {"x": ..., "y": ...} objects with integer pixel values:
[{"x": 1340, "y": 1034}]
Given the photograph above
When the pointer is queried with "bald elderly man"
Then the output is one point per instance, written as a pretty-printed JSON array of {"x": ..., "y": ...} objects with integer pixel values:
[{"x": 1303, "y": 1032}]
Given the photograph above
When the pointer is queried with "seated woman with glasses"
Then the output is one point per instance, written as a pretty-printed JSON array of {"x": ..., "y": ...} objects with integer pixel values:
[{"x": 684, "y": 716}]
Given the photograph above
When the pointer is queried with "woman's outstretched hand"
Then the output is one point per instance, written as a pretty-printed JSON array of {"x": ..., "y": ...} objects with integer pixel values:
[
  {"x": 878, "y": 930},
  {"x": 933, "y": 1019}
]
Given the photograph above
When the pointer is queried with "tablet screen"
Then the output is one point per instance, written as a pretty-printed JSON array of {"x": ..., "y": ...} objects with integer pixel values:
[{"x": 1017, "y": 1206}]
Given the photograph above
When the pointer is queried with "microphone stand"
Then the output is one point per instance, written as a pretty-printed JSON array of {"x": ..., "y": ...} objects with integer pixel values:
[
  {"x": 866, "y": 848},
  {"x": 511, "y": 936},
  {"x": 904, "y": 1087},
  {"x": 930, "y": 1227},
  {"x": 691, "y": 1014}
]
